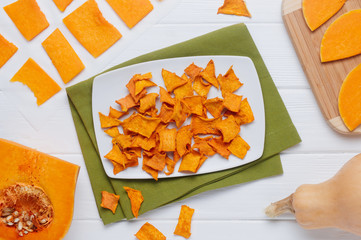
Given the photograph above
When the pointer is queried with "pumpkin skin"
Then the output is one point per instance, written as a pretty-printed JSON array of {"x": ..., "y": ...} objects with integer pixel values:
[{"x": 20, "y": 164}]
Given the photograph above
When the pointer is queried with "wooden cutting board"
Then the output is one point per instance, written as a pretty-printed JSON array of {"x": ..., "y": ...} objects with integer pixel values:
[{"x": 325, "y": 78}]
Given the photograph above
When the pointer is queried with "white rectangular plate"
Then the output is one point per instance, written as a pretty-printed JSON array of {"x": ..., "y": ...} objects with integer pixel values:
[{"x": 110, "y": 86}]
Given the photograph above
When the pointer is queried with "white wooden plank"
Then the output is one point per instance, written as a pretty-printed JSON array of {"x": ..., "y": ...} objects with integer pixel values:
[{"x": 210, "y": 230}]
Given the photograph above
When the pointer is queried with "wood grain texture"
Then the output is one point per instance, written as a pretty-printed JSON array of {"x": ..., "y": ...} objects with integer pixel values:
[{"x": 325, "y": 79}]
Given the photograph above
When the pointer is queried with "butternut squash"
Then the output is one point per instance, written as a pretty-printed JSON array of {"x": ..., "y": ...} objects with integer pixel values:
[
  {"x": 36, "y": 193},
  {"x": 317, "y": 12},
  {"x": 335, "y": 203},
  {"x": 349, "y": 100},
  {"x": 342, "y": 39}
]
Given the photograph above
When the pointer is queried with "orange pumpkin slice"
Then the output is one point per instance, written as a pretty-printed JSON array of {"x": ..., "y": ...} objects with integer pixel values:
[
  {"x": 342, "y": 38},
  {"x": 39, "y": 82},
  {"x": 349, "y": 99},
  {"x": 317, "y": 12},
  {"x": 62, "y": 4},
  {"x": 63, "y": 56},
  {"x": 27, "y": 17},
  {"x": 92, "y": 30},
  {"x": 7, "y": 50}
]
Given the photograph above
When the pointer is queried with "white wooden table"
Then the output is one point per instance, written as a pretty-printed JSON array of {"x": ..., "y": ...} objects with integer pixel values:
[{"x": 230, "y": 213}]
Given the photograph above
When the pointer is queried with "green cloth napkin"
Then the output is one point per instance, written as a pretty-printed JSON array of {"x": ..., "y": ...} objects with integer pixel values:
[{"x": 280, "y": 131}]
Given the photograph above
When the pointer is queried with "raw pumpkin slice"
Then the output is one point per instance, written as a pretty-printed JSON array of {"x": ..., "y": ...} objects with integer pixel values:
[
  {"x": 39, "y": 82},
  {"x": 39, "y": 185},
  {"x": 349, "y": 99},
  {"x": 317, "y": 12},
  {"x": 234, "y": 7},
  {"x": 7, "y": 50},
  {"x": 342, "y": 39},
  {"x": 63, "y": 56},
  {"x": 27, "y": 17},
  {"x": 62, "y": 4},
  {"x": 131, "y": 11},
  {"x": 92, "y": 30}
]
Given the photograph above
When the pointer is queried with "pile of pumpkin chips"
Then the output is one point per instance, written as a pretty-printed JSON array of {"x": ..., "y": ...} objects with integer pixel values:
[{"x": 160, "y": 136}]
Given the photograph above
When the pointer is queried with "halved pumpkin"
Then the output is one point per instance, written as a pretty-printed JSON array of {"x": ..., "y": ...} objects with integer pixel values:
[{"x": 37, "y": 190}]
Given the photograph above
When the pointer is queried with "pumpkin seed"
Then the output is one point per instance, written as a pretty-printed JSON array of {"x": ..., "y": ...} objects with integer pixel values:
[
  {"x": 7, "y": 211},
  {"x": 9, "y": 218},
  {"x": 21, "y": 234},
  {"x": 16, "y": 213},
  {"x": 10, "y": 223},
  {"x": 20, "y": 226},
  {"x": 26, "y": 232},
  {"x": 43, "y": 221},
  {"x": 16, "y": 220},
  {"x": 29, "y": 223},
  {"x": 26, "y": 217}
]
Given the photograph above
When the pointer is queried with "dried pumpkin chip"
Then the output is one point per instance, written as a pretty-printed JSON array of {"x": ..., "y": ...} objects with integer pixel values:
[
  {"x": 194, "y": 104},
  {"x": 157, "y": 161},
  {"x": 143, "y": 142},
  {"x": 229, "y": 82},
  {"x": 109, "y": 201},
  {"x": 209, "y": 74},
  {"x": 131, "y": 86},
  {"x": 184, "y": 91},
  {"x": 116, "y": 155},
  {"x": 7, "y": 50},
  {"x": 167, "y": 139},
  {"x": 131, "y": 11},
  {"x": 147, "y": 102},
  {"x": 63, "y": 56},
  {"x": 239, "y": 147},
  {"x": 229, "y": 128},
  {"x": 117, "y": 167},
  {"x": 193, "y": 70},
  {"x": 214, "y": 106},
  {"x": 115, "y": 113},
  {"x": 39, "y": 82},
  {"x": 62, "y": 4},
  {"x": 146, "y": 168},
  {"x": 200, "y": 125},
  {"x": 126, "y": 103},
  {"x": 171, "y": 80},
  {"x": 142, "y": 125},
  {"x": 184, "y": 140},
  {"x": 113, "y": 132},
  {"x": 220, "y": 147},
  {"x": 170, "y": 165},
  {"x": 203, "y": 146},
  {"x": 234, "y": 7},
  {"x": 106, "y": 121},
  {"x": 183, "y": 227},
  {"x": 200, "y": 87},
  {"x": 136, "y": 199},
  {"x": 166, "y": 113},
  {"x": 180, "y": 113},
  {"x": 232, "y": 102},
  {"x": 149, "y": 232},
  {"x": 27, "y": 17},
  {"x": 245, "y": 115},
  {"x": 165, "y": 97},
  {"x": 91, "y": 29},
  {"x": 191, "y": 162},
  {"x": 123, "y": 141},
  {"x": 140, "y": 85}
]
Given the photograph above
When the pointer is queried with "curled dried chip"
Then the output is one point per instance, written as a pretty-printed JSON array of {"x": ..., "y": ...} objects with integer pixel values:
[
  {"x": 149, "y": 232},
  {"x": 214, "y": 106},
  {"x": 106, "y": 121},
  {"x": 146, "y": 168},
  {"x": 117, "y": 167},
  {"x": 170, "y": 165},
  {"x": 209, "y": 74},
  {"x": 203, "y": 146},
  {"x": 126, "y": 103},
  {"x": 167, "y": 138},
  {"x": 142, "y": 84},
  {"x": 194, "y": 104},
  {"x": 109, "y": 201},
  {"x": 171, "y": 80},
  {"x": 220, "y": 147},
  {"x": 239, "y": 147},
  {"x": 116, "y": 155},
  {"x": 245, "y": 115},
  {"x": 232, "y": 102},
  {"x": 200, "y": 87},
  {"x": 113, "y": 132},
  {"x": 142, "y": 125},
  {"x": 166, "y": 113},
  {"x": 193, "y": 70},
  {"x": 143, "y": 142},
  {"x": 229, "y": 128},
  {"x": 157, "y": 161},
  {"x": 191, "y": 162},
  {"x": 7, "y": 50},
  {"x": 234, "y": 7},
  {"x": 200, "y": 125},
  {"x": 180, "y": 113},
  {"x": 136, "y": 199},
  {"x": 147, "y": 102},
  {"x": 165, "y": 97},
  {"x": 184, "y": 140},
  {"x": 229, "y": 82},
  {"x": 183, "y": 227},
  {"x": 131, "y": 86},
  {"x": 115, "y": 113},
  {"x": 184, "y": 91}
]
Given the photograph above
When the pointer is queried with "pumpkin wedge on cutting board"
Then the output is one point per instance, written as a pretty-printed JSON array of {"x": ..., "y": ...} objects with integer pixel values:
[{"x": 36, "y": 193}]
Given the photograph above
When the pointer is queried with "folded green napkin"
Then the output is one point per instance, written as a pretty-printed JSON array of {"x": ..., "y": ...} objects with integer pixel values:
[{"x": 280, "y": 131}]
